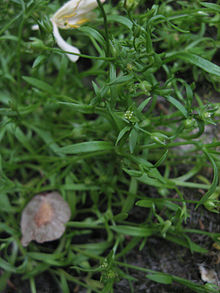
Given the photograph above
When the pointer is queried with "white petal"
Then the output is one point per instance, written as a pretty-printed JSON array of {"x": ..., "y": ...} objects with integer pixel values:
[
  {"x": 78, "y": 6},
  {"x": 74, "y": 13},
  {"x": 86, "y": 5},
  {"x": 66, "y": 9},
  {"x": 64, "y": 45},
  {"x": 35, "y": 27}
]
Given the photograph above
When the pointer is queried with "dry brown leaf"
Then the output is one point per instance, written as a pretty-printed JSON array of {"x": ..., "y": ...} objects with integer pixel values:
[
  {"x": 208, "y": 275},
  {"x": 44, "y": 218}
]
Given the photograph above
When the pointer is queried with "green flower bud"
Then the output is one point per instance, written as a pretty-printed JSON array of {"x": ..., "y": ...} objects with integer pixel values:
[
  {"x": 130, "y": 67},
  {"x": 37, "y": 44},
  {"x": 189, "y": 123},
  {"x": 159, "y": 138},
  {"x": 145, "y": 86},
  {"x": 131, "y": 3}
]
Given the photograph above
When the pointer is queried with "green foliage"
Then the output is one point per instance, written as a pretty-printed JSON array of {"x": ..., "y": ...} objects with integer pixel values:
[{"x": 105, "y": 132}]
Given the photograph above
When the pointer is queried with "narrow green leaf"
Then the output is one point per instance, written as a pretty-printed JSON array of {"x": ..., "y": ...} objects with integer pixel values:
[
  {"x": 121, "y": 79},
  {"x": 5, "y": 204},
  {"x": 39, "y": 84},
  {"x": 79, "y": 107},
  {"x": 95, "y": 248},
  {"x": 193, "y": 286},
  {"x": 79, "y": 186},
  {"x": 157, "y": 182},
  {"x": 84, "y": 225},
  {"x": 120, "y": 19},
  {"x": 133, "y": 136},
  {"x": 214, "y": 181},
  {"x": 122, "y": 133},
  {"x": 151, "y": 171},
  {"x": 47, "y": 138},
  {"x": 7, "y": 266},
  {"x": 178, "y": 105},
  {"x": 197, "y": 61},
  {"x": 162, "y": 159},
  {"x": 51, "y": 259},
  {"x": 130, "y": 199},
  {"x": 40, "y": 268},
  {"x": 12, "y": 20},
  {"x": 133, "y": 231},
  {"x": 93, "y": 33},
  {"x": 22, "y": 138},
  {"x": 160, "y": 278},
  {"x": 5, "y": 276},
  {"x": 143, "y": 104},
  {"x": 214, "y": 7},
  {"x": 160, "y": 202},
  {"x": 42, "y": 256},
  {"x": 96, "y": 88},
  {"x": 144, "y": 178},
  {"x": 120, "y": 217},
  {"x": 112, "y": 72},
  {"x": 145, "y": 203},
  {"x": 63, "y": 283},
  {"x": 86, "y": 147},
  {"x": 133, "y": 173},
  {"x": 183, "y": 242},
  {"x": 178, "y": 28},
  {"x": 39, "y": 60},
  {"x": 6, "y": 228}
]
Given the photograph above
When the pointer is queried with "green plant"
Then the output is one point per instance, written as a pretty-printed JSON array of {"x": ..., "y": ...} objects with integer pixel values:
[{"x": 123, "y": 127}]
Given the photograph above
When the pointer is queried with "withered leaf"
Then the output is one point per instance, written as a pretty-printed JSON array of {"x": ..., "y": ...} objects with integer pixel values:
[{"x": 44, "y": 218}]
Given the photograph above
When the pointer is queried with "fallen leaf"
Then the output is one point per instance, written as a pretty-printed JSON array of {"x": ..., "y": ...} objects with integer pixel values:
[
  {"x": 44, "y": 218},
  {"x": 208, "y": 275}
]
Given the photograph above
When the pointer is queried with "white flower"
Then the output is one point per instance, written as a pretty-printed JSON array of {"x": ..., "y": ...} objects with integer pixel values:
[{"x": 71, "y": 15}]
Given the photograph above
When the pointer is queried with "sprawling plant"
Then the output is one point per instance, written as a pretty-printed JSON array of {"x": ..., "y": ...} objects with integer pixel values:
[{"x": 131, "y": 128}]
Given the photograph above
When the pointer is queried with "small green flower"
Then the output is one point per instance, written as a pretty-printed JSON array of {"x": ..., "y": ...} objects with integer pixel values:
[{"x": 128, "y": 115}]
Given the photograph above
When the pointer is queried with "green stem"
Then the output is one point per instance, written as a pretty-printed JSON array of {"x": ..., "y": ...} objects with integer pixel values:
[{"x": 106, "y": 27}]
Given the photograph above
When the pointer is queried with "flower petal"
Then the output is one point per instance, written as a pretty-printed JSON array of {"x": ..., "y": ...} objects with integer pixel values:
[
  {"x": 67, "y": 8},
  {"x": 86, "y": 5},
  {"x": 75, "y": 7},
  {"x": 64, "y": 45},
  {"x": 74, "y": 13},
  {"x": 35, "y": 27}
]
